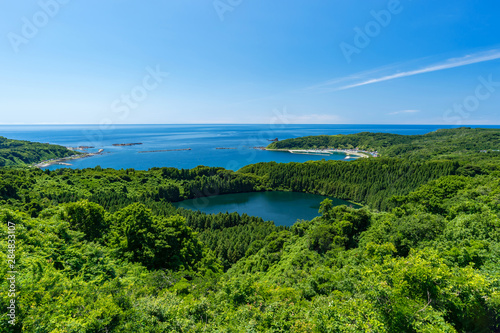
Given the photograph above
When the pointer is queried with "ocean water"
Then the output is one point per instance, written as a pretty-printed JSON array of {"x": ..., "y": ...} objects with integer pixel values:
[{"x": 201, "y": 139}]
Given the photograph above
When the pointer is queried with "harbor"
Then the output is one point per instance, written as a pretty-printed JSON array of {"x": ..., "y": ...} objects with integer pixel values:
[{"x": 350, "y": 153}]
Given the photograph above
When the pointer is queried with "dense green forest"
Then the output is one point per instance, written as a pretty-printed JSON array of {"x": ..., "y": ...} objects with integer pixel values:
[
  {"x": 372, "y": 182},
  {"x": 15, "y": 152},
  {"x": 441, "y": 143},
  {"x": 104, "y": 250}
]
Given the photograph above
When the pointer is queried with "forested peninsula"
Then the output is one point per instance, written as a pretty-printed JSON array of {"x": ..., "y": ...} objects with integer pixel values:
[
  {"x": 104, "y": 250},
  {"x": 443, "y": 143},
  {"x": 22, "y": 153}
]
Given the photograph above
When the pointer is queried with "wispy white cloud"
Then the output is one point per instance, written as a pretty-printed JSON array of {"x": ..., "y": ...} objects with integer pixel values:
[
  {"x": 363, "y": 79},
  {"x": 450, "y": 63},
  {"x": 353, "y": 77},
  {"x": 404, "y": 111}
]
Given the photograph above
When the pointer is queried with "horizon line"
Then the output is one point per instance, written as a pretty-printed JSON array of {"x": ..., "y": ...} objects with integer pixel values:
[{"x": 224, "y": 124}]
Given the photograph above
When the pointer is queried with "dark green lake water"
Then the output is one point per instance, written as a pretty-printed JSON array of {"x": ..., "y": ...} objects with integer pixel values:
[{"x": 284, "y": 208}]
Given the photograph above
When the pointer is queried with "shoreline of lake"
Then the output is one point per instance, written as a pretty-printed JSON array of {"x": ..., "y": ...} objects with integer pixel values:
[{"x": 282, "y": 207}]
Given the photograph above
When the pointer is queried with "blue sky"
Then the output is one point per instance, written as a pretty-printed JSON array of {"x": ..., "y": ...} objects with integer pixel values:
[{"x": 242, "y": 61}]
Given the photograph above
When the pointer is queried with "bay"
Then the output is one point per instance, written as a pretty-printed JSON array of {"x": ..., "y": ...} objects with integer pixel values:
[
  {"x": 203, "y": 140},
  {"x": 283, "y": 208}
]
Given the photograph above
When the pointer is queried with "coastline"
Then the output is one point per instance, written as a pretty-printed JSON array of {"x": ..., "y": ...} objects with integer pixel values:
[
  {"x": 347, "y": 152},
  {"x": 65, "y": 160}
]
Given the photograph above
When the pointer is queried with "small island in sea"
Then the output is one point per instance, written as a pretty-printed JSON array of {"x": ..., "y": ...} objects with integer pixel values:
[{"x": 126, "y": 144}]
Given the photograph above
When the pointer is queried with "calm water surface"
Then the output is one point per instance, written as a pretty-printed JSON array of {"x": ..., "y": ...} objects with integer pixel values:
[
  {"x": 284, "y": 208},
  {"x": 202, "y": 139}
]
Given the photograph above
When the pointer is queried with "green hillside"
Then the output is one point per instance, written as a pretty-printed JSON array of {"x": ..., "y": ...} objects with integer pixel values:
[
  {"x": 441, "y": 143},
  {"x": 16, "y": 153},
  {"x": 104, "y": 250}
]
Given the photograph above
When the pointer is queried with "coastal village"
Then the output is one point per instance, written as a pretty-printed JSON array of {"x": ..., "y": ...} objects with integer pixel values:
[{"x": 350, "y": 153}]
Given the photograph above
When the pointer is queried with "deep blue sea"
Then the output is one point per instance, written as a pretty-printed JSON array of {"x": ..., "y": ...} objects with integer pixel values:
[{"x": 202, "y": 139}]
